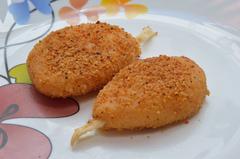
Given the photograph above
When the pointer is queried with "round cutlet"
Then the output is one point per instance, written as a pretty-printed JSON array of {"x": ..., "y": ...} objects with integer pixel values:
[
  {"x": 152, "y": 93},
  {"x": 76, "y": 60}
]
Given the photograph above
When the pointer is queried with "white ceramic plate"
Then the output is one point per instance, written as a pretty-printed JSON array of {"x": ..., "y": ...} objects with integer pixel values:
[{"x": 212, "y": 134}]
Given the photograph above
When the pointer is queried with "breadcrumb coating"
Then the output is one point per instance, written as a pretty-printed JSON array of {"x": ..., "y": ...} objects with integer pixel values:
[
  {"x": 76, "y": 60},
  {"x": 152, "y": 93}
]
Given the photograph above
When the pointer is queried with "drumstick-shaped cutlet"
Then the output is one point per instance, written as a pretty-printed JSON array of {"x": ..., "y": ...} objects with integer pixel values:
[
  {"x": 149, "y": 93},
  {"x": 76, "y": 60}
]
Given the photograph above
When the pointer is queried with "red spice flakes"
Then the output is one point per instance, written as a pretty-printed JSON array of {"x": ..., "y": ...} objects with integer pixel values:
[{"x": 186, "y": 122}]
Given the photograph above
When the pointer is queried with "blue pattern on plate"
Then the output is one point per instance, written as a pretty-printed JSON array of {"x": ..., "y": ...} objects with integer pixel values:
[{"x": 20, "y": 11}]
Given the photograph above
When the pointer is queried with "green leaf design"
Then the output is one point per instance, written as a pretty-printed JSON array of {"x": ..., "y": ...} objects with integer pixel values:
[{"x": 20, "y": 73}]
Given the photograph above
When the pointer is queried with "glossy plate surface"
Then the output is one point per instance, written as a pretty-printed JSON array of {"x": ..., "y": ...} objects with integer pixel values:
[{"x": 212, "y": 134}]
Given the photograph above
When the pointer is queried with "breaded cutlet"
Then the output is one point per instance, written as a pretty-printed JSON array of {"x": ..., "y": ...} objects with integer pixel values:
[
  {"x": 79, "y": 59},
  {"x": 148, "y": 93},
  {"x": 151, "y": 93}
]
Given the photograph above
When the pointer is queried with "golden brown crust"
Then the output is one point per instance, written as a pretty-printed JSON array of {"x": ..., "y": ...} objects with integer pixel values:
[
  {"x": 152, "y": 93},
  {"x": 76, "y": 60}
]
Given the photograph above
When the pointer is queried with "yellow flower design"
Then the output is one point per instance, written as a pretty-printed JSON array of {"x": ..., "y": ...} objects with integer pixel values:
[
  {"x": 20, "y": 74},
  {"x": 131, "y": 10}
]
